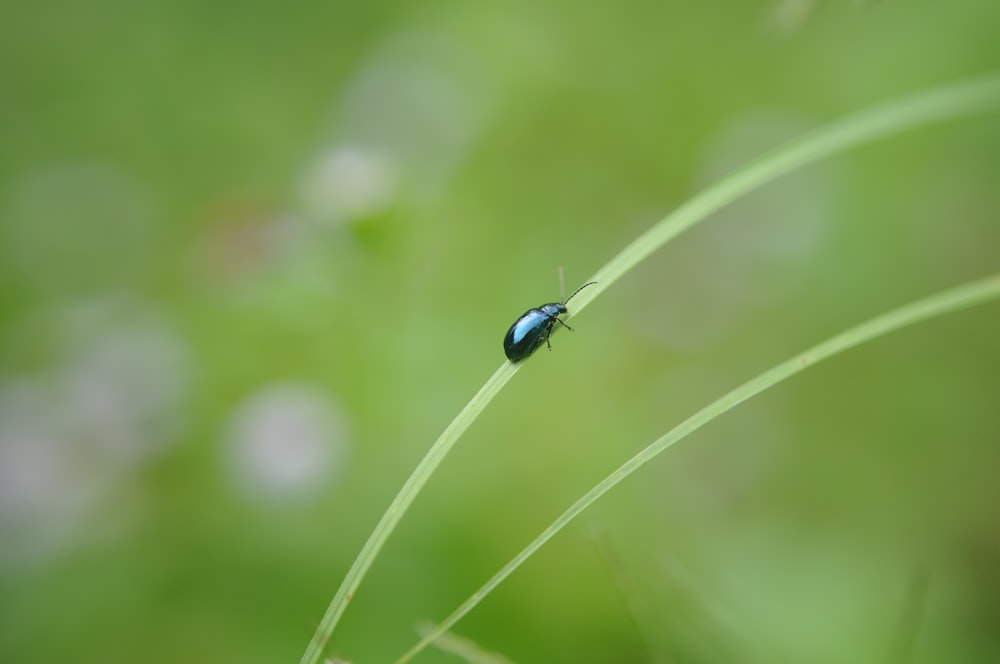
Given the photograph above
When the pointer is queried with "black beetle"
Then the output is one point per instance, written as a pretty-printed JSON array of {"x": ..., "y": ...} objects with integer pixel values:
[{"x": 535, "y": 326}]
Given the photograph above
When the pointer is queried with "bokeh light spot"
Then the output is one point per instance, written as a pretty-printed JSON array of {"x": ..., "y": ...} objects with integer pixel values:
[{"x": 284, "y": 441}]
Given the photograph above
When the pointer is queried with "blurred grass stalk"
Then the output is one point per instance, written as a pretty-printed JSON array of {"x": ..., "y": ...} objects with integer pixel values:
[
  {"x": 951, "y": 102},
  {"x": 961, "y": 297}
]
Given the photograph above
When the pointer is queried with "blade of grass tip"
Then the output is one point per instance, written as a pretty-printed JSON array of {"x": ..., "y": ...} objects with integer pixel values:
[
  {"x": 967, "y": 98},
  {"x": 627, "y": 590},
  {"x": 467, "y": 650},
  {"x": 913, "y": 609},
  {"x": 398, "y": 507},
  {"x": 941, "y": 104},
  {"x": 961, "y": 297}
]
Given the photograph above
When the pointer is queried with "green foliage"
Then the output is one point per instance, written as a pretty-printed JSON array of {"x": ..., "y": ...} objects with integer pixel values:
[
  {"x": 253, "y": 257},
  {"x": 977, "y": 97}
]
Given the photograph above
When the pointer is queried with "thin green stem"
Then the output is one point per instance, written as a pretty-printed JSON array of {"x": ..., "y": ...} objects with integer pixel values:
[
  {"x": 399, "y": 506},
  {"x": 961, "y": 297},
  {"x": 977, "y": 96}
]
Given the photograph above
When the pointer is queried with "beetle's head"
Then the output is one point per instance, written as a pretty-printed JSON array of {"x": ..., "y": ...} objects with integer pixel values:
[{"x": 554, "y": 308}]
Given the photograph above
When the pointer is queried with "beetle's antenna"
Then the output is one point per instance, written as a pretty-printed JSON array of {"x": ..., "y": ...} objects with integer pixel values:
[
  {"x": 589, "y": 283},
  {"x": 562, "y": 285}
]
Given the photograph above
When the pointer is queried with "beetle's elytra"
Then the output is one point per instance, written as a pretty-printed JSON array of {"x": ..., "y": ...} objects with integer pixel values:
[{"x": 534, "y": 327}]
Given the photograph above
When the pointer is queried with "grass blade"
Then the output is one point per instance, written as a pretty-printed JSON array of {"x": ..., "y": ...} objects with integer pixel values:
[
  {"x": 398, "y": 507},
  {"x": 971, "y": 97},
  {"x": 961, "y": 297}
]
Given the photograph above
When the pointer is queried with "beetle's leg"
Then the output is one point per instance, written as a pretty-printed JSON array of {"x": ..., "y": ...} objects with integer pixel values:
[
  {"x": 564, "y": 324},
  {"x": 548, "y": 334}
]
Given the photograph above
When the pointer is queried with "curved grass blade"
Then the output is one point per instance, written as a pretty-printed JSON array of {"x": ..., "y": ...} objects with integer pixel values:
[
  {"x": 951, "y": 300},
  {"x": 398, "y": 507},
  {"x": 937, "y": 105},
  {"x": 894, "y": 117}
]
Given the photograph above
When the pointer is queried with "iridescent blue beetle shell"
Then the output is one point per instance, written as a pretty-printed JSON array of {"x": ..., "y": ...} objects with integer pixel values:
[
  {"x": 534, "y": 328},
  {"x": 530, "y": 330}
]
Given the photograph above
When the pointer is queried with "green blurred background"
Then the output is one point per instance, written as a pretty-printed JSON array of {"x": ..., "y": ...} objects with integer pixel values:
[{"x": 255, "y": 256}]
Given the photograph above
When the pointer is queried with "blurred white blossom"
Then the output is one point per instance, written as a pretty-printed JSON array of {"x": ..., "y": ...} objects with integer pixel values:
[
  {"x": 73, "y": 433},
  {"x": 285, "y": 440}
]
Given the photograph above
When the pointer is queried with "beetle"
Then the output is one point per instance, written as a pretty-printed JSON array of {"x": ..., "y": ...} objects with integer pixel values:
[{"x": 535, "y": 326}]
